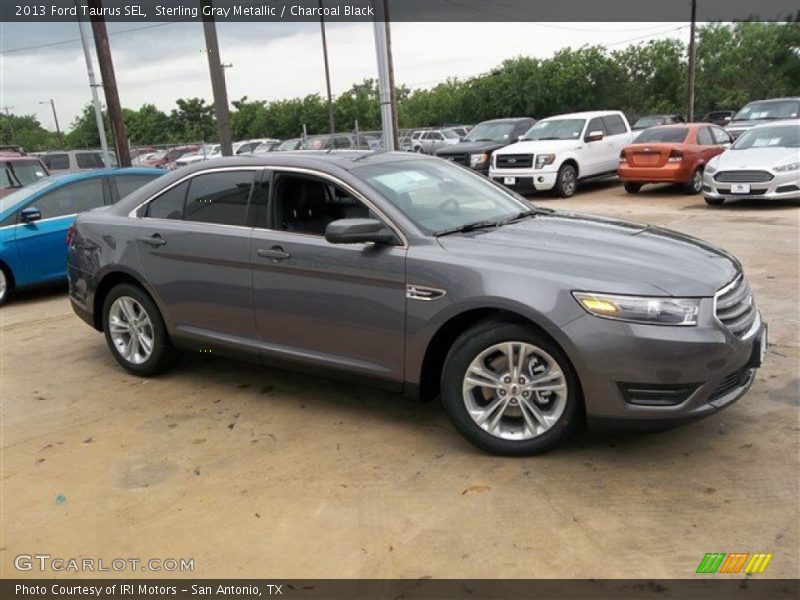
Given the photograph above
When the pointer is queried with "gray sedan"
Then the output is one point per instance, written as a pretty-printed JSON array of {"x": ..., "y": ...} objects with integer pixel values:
[{"x": 424, "y": 278}]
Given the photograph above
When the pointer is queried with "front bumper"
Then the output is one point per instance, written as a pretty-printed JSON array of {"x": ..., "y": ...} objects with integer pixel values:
[
  {"x": 783, "y": 186},
  {"x": 706, "y": 366},
  {"x": 525, "y": 180}
]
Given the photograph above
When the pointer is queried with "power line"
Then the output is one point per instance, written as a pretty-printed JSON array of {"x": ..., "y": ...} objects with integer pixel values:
[{"x": 72, "y": 41}]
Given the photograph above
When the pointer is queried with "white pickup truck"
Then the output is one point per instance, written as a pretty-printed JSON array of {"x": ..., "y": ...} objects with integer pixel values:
[{"x": 559, "y": 151}]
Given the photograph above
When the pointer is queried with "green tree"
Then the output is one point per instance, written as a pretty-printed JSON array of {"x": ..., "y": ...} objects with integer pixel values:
[
  {"x": 193, "y": 121},
  {"x": 26, "y": 131}
]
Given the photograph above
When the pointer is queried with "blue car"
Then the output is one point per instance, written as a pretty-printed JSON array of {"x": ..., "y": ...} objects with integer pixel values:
[{"x": 34, "y": 221}]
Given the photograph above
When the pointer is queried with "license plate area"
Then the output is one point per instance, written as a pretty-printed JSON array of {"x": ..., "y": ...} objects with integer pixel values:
[
  {"x": 740, "y": 188},
  {"x": 509, "y": 180}
]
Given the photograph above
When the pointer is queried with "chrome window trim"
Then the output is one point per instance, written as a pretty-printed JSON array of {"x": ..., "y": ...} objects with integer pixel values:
[{"x": 307, "y": 171}]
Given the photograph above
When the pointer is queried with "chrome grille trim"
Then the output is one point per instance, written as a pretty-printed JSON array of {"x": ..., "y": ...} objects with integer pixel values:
[
  {"x": 735, "y": 308},
  {"x": 743, "y": 176}
]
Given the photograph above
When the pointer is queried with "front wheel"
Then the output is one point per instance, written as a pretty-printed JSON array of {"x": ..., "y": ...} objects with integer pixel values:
[
  {"x": 135, "y": 332},
  {"x": 4, "y": 286},
  {"x": 714, "y": 201},
  {"x": 566, "y": 181},
  {"x": 509, "y": 389}
]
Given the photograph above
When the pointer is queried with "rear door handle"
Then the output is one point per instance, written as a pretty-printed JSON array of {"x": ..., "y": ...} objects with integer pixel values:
[
  {"x": 155, "y": 240},
  {"x": 275, "y": 253}
]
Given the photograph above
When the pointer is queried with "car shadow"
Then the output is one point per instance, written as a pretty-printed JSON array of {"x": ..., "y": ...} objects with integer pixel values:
[
  {"x": 38, "y": 294},
  {"x": 748, "y": 205}
]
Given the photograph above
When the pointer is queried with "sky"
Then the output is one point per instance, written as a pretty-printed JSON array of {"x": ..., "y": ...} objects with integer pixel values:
[{"x": 272, "y": 61}]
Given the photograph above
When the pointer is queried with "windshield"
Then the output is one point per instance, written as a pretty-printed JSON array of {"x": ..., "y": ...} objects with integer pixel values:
[
  {"x": 449, "y": 134},
  {"x": 15, "y": 174},
  {"x": 556, "y": 129},
  {"x": 649, "y": 122},
  {"x": 777, "y": 136},
  {"x": 437, "y": 195},
  {"x": 158, "y": 155},
  {"x": 665, "y": 135},
  {"x": 11, "y": 200},
  {"x": 775, "y": 109},
  {"x": 490, "y": 132}
]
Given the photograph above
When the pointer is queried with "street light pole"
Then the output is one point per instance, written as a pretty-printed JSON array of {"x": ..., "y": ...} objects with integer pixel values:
[
  {"x": 331, "y": 116},
  {"x": 98, "y": 111},
  {"x": 383, "y": 53}
]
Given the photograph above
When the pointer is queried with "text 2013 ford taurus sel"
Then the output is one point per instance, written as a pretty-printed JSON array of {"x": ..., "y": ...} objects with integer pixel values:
[{"x": 423, "y": 277}]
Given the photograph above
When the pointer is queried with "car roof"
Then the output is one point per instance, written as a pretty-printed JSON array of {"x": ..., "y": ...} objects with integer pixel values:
[
  {"x": 19, "y": 157},
  {"x": 792, "y": 122},
  {"x": 507, "y": 120},
  {"x": 784, "y": 98},
  {"x": 589, "y": 114},
  {"x": 71, "y": 176}
]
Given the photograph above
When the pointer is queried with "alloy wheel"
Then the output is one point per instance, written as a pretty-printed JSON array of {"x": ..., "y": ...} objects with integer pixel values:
[
  {"x": 3, "y": 285},
  {"x": 131, "y": 330},
  {"x": 697, "y": 181},
  {"x": 568, "y": 182},
  {"x": 515, "y": 390}
]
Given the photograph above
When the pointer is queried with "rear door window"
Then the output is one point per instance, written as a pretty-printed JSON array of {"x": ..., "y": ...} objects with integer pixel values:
[
  {"x": 615, "y": 125},
  {"x": 56, "y": 161},
  {"x": 169, "y": 205},
  {"x": 89, "y": 160},
  {"x": 220, "y": 198},
  {"x": 720, "y": 135},
  {"x": 704, "y": 137},
  {"x": 130, "y": 183}
]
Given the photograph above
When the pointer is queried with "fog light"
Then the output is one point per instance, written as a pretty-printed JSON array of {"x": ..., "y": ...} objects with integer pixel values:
[{"x": 541, "y": 179}]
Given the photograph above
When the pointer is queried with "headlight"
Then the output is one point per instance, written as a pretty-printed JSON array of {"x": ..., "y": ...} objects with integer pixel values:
[
  {"x": 544, "y": 159},
  {"x": 478, "y": 159},
  {"x": 640, "y": 309},
  {"x": 790, "y": 167},
  {"x": 710, "y": 169}
]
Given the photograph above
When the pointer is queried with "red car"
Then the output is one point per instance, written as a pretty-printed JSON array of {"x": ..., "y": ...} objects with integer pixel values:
[
  {"x": 18, "y": 169},
  {"x": 163, "y": 159},
  {"x": 671, "y": 154}
]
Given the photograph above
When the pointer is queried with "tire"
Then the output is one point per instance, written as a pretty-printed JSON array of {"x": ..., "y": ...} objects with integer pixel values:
[
  {"x": 518, "y": 430},
  {"x": 714, "y": 201},
  {"x": 419, "y": 150},
  {"x": 123, "y": 301},
  {"x": 695, "y": 184},
  {"x": 566, "y": 181},
  {"x": 633, "y": 188},
  {"x": 5, "y": 286}
]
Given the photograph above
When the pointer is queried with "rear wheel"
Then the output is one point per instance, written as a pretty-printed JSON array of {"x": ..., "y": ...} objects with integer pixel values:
[
  {"x": 135, "y": 332},
  {"x": 509, "y": 389},
  {"x": 566, "y": 181},
  {"x": 633, "y": 188},
  {"x": 714, "y": 201},
  {"x": 695, "y": 184}
]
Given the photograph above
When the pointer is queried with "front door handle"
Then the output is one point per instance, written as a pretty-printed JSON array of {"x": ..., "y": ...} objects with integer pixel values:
[
  {"x": 155, "y": 240},
  {"x": 275, "y": 253}
]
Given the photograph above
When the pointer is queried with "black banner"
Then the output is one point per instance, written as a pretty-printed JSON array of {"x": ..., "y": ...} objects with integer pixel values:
[
  {"x": 711, "y": 588},
  {"x": 400, "y": 10}
]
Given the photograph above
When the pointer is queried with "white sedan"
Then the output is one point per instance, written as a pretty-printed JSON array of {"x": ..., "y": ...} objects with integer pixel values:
[{"x": 763, "y": 164}]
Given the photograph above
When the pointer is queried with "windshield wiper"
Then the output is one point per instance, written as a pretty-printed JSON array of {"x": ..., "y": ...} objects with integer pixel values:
[
  {"x": 468, "y": 227},
  {"x": 523, "y": 214},
  {"x": 543, "y": 138}
]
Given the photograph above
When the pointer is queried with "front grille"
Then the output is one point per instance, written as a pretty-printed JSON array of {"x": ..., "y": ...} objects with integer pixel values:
[
  {"x": 730, "y": 383},
  {"x": 743, "y": 176},
  {"x": 462, "y": 159},
  {"x": 735, "y": 307},
  {"x": 514, "y": 161},
  {"x": 655, "y": 394},
  {"x": 754, "y": 191}
]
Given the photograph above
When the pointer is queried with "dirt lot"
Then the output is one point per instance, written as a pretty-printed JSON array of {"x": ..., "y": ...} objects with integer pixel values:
[{"x": 254, "y": 472}]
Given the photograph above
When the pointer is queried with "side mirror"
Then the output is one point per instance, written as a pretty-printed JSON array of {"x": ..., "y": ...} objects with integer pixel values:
[
  {"x": 594, "y": 136},
  {"x": 358, "y": 231},
  {"x": 30, "y": 214},
  {"x": 726, "y": 119}
]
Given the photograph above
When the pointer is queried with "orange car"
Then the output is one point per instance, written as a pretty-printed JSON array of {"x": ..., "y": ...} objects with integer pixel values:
[{"x": 671, "y": 154}]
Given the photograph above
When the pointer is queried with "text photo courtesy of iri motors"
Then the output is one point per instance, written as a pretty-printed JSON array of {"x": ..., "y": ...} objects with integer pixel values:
[{"x": 392, "y": 298}]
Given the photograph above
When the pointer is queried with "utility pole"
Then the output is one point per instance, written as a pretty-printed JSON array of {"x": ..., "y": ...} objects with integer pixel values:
[
  {"x": 109, "y": 84},
  {"x": 98, "y": 111},
  {"x": 331, "y": 115},
  {"x": 55, "y": 118},
  {"x": 7, "y": 110},
  {"x": 217, "y": 80},
  {"x": 383, "y": 53},
  {"x": 692, "y": 59}
]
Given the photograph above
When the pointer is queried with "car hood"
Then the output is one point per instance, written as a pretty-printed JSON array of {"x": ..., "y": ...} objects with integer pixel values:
[
  {"x": 471, "y": 147},
  {"x": 541, "y": 146},
  {"x": 602, "y": 255},
  {"x": 750, "y": 158}
]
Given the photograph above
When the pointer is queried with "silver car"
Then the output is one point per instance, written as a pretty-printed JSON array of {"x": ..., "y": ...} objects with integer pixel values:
[
  {"x": 430, "y": 141},
  {"x": 424, "y": 278},
  {"x": 762, "y": 164}
]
